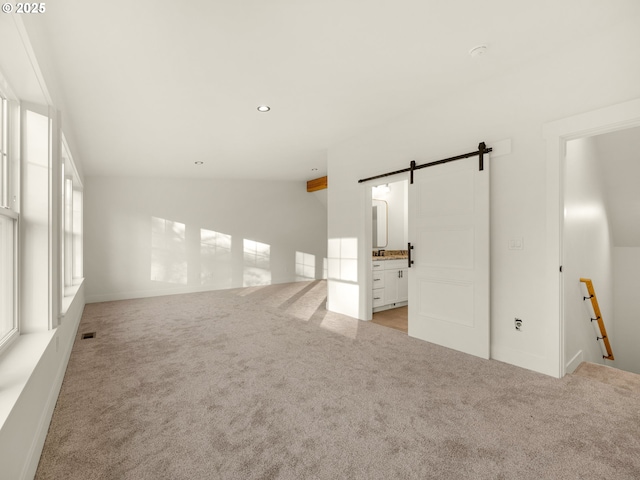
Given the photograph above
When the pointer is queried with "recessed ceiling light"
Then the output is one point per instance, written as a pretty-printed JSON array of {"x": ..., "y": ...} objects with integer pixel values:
[
  {"x": 198, "y": 162},
  {"x": 264, "y": 108}
]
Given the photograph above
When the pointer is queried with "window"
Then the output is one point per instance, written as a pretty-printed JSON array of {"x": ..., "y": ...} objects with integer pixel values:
[
  {"x": 4, "y": 154},
  {"x": 71, "y": 219},
  {"x": 29, "y": 269},
  {"x": 8, "y": 233},
  {"x": 77, "y": 229},
  {"x": 67, "y": 231}
]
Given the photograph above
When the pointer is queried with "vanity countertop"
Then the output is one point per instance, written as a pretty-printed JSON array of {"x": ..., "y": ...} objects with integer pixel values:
[{"x": 390, "y": 255}]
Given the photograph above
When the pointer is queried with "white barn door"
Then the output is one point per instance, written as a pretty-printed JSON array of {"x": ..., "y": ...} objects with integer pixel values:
[{"x": 449, "y": 279}]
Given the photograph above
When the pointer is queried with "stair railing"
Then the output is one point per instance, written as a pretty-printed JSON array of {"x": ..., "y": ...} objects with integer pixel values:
[{"x": 601, "y": 331}]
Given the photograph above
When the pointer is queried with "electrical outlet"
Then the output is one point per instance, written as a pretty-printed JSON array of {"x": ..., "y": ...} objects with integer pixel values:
[
  {"x": 518, "y": 322},
  {"x": 516, "y": 244}
]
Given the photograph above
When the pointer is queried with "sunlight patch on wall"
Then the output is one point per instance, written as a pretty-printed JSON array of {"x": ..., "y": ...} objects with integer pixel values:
[
  {"x": 305, "y": 266},
  {"x": 257, "y": 263},
  {"x": 168, "y": 251},
  {"x": 343, "y": 259},
  {"x": 343, "y": 297},
  {"x": 215, "y": 258},
  {"x": 584, "y": 211}
]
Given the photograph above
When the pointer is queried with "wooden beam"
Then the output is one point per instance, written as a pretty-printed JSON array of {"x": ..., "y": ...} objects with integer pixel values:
[{"x": 317, "y": 184}]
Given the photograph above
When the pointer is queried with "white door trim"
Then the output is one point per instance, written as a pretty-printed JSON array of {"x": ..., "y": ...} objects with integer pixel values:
[{"x": 556, "y": 135}]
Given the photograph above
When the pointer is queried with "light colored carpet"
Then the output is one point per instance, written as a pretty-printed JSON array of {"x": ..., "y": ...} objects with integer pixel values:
[
  {"x": 612, "y": 376},
  {"x": 264, "y": 383}
]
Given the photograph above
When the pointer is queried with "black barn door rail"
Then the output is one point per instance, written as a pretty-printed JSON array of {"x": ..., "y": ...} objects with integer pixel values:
[{"x": 482, "y": 149}]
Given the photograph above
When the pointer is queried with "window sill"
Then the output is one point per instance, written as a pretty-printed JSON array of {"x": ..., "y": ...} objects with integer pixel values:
[
  {"x": 70, "y": 294},
  {"x": 20, "y": 359}
]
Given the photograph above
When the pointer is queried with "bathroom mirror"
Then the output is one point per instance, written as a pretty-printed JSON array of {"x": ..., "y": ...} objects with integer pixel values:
[{"x": 380, "y": 210}]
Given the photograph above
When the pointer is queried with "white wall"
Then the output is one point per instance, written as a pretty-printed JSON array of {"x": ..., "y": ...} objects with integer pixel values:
[
  {"x": 587, "y": 252},
  {"x": 515, "y": 107},
  {"x": 124, "y": 258},
  {"x": 626, "y": 261}
]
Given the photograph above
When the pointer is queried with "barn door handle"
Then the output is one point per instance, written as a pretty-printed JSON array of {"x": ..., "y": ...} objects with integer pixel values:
[{"x": 409, "y": 248}]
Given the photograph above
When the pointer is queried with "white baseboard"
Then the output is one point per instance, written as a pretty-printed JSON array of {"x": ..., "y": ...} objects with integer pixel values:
[
  {"x": 574, "y": 362},
  {"x": 110, "y": 297},
  {"x": 536, "y": 363}
]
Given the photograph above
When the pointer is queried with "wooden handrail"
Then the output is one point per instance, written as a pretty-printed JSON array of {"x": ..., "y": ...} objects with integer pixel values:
[{"x": 596, "y": 308}]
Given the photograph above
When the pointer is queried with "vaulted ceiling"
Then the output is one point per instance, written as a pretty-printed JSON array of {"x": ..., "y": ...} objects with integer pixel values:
[
  {"x": 619, "y": 155},
  {"x": 150, "y": 87}
]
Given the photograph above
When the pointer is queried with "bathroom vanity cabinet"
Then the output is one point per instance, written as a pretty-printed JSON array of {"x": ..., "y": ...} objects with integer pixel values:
[{"x": 390, "y": 284}]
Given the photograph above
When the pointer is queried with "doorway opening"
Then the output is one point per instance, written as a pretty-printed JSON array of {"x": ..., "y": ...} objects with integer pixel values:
[
  {"x": 444, "y": 272},
  {"x": 601, "y": 241},
  {"x": 557, "y": 135},
  {"x": 389, "y": 237}
]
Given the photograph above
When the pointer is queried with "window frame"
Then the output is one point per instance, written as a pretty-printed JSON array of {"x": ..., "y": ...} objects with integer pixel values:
[{"x": 9, "y": 206}]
